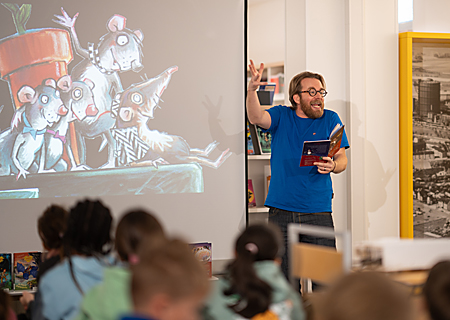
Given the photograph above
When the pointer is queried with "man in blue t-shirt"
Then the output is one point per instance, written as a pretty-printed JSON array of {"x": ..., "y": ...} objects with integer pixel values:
[{"x": 298, "y": 194}]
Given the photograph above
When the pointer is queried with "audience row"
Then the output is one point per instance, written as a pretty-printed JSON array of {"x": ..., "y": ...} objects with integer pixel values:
[{"x": 142, "y": 273}]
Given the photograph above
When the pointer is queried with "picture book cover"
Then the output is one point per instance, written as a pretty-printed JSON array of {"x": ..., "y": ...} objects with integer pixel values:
[
  {"x": 5, "y": 271},
  {"x": 251, "y": 194},
  {"x": 265, "y": 140},
  {"x": 26, "y": 267},
  {"x": 314, "y": 151},
  {"x": 250, "y": 148},
  {"x": 203, "y": 253}
]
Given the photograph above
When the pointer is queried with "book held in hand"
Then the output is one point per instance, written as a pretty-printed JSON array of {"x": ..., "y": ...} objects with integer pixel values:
[{"x": 314, "y": 151}]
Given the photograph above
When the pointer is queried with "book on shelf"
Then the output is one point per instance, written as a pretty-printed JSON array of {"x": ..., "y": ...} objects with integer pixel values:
[
  {"x": 6, "y": 276},
  {"x": 203, "y": 253},
  {"x": 264, "y": 140},
  {"x": 267, "y": 175},
  {"x": 250, "y": 148},
  {"x": 26, "y": 267},
  {"x": 254, "y": 138},
  {"x": 251, "y": 194},
  {"x": 314, "y": 151},
  {"x": 266, "y": 93}
]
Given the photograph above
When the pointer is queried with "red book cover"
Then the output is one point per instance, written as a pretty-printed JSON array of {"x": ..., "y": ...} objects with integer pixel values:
[
  {"x": 251, "y": 194},
  {"x": 314, "y": 151}
]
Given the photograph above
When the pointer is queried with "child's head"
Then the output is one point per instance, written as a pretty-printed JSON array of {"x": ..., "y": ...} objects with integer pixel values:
[
  {"x": 365, "y": 295},
  {"x": 132, "y": 228},
  {"x": 5, "y": 305},
  {"x": 51, "y": 227},
  {"x": 168, "y": 283},
  {"x": 437, "y": 291},
  {"x": 257, "y": 243},
  {"x": 88, "y": 229}
]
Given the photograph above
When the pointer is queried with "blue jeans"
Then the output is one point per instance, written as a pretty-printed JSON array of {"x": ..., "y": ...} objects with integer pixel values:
[{"x": 282, "y": 218}]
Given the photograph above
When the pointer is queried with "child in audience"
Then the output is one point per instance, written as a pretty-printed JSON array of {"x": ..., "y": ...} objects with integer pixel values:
[
  {"x": 112, "y": 298},
  {"x": 85, "y": 244},
  {"x": 168, "y": 282},
  {"x": 51, "y": 227},
  {"x": 254, "y": 284},
  {"x": 437, "y": 291},
  {"x": 365, "y": 296},
  {"x": 6, "y": 313}
]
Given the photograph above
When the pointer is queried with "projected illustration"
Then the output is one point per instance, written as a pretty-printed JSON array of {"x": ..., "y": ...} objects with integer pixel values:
[{"x": 66, "y": 95}]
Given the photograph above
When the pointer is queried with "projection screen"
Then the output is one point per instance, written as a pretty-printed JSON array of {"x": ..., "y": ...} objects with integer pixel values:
[{"x": 139, "y": 103}]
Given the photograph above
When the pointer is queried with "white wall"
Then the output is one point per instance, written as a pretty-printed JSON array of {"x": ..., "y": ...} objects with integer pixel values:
[
  {"x": 353, "y": 43},
  {"x": 431, "y": 16},
  {"x": 265, "y": 33}
]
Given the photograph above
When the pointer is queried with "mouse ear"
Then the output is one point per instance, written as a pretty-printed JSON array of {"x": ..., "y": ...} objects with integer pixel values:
[
  {"x": 64, "y": 83},
  {"x": 49, "y": 82},
  {"x": 139, "y": 34},
  {"x": 89, "y": 82},
  {"x": 26, "y": 94},
  {"x": 116, "y": 23}
]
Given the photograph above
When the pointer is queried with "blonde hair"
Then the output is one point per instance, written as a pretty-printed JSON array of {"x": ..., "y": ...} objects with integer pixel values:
[
  {"x": 366, "y": 295},
  {"x": 295, "y": 86}
]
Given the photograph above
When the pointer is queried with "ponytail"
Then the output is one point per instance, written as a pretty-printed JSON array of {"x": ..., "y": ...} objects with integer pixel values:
[{"x": 254, "y": 296}]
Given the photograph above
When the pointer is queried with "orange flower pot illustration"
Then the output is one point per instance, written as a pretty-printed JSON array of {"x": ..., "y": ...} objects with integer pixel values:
[{"x": 28, "y": 58}]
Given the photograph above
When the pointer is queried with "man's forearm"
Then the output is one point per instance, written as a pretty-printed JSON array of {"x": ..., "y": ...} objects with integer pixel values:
[{"x": 254, "y": 111}]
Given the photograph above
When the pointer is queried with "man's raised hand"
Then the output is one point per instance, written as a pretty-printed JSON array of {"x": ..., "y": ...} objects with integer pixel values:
[{"x": 255, "y": 80}]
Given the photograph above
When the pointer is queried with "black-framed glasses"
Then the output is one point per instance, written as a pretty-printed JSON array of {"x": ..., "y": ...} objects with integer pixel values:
[{"x": 312, "y": 92}]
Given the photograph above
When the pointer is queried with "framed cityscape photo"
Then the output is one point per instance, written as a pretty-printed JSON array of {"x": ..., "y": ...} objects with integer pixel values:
[{"x": 424, "y": 134}]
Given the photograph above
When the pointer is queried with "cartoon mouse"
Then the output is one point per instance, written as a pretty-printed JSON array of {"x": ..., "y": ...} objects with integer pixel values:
[
  {"x": 42, "y": 107},
  {"x": 119, "y": 50},
  {"x": 78, "y": 98},
  {"x": 135, "y": 107}
]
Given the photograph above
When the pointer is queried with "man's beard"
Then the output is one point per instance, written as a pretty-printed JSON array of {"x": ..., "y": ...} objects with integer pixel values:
[{"x": 308, "y": 110}]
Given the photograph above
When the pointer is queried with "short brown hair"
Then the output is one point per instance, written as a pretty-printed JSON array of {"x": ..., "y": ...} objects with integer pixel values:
[
  {"x": 366, "y": 295},
  {"x": 295, "y": 86},
  {"x": 170, "y": 268},
  {"x": 51, "y": 226},
  {"x": 133, "y": 226}
]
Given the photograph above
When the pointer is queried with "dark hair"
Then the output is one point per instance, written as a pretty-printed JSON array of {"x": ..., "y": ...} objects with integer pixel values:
[
  {"x": 131, "y": 229},
  {"x": 437, "y": 291},
  {"x": 256, "y": 243},
  {"x": 88, "y": 231},
  {"x": 169, "y": 267},
  {"x": 365, "y": 295},
  {"x": 5, "y": 305},
  {"x": 295, "y": 86},
  {"x": 52, "y": 225}
]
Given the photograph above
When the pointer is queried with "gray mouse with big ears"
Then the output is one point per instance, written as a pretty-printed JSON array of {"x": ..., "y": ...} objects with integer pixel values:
[{"x": 118, "y": 51}]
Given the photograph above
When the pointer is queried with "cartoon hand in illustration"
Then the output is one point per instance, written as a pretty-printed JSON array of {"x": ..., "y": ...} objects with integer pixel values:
[
  {"x": 65, "y": 20},
  {"x": 17, "y": 118},
  {"x": 22, "y": 172},
  {"x": 159, "y": 161}
]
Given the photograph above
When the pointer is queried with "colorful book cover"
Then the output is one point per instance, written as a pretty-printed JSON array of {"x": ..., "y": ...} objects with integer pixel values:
[
  {"x": 5, "y": 271},
  {"x": 314, "y": 151},
  {"x": 250, "y": 148},
  {"x": 265, "y": 140},
  {"x": 251, "y": 194},
  {"x": 26, "y": 267},
  {"x": 203, "y": 253}
]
